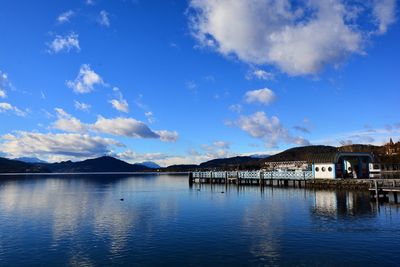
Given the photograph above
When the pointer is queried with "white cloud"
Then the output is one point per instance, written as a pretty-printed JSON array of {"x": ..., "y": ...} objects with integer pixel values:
[
  {"x": 270, "y": 130},
  {"x": 120, "y": 105},
  {"x": 159, "y": 158},
  {"x": 192, "y": 86},
  {"x": 222, "y": 144},
  {"x": 150, "y": 117},
  {"x": 90, "y": 2},
  {"x": 4, "y": 84},
  {"x": 260, "y": 74},
  {"x": 134, "y": 157},
  {"x": 299, "y": 38},
  {"x": 3, "y": 93},
  {"x": 385, "y": 14},
  {"x": 68, "y": 123},
  {"x": 51, "y": 146},
  {"x": 104, "y": 19},
  {"x": 119, "y": 126},
  {"x": 82, "y": 106},
  {"x": 167, "y": 136},
  {"x": 139, "y": 102},
  {"x": 264, "y": 96},
  {"x": 218, "y": 149},
  {"x": 64, "y": 43},
  {"x": 235, "y": 108},
  {"x": 366, "y": 135},
  {"x": 124, "y": 127},
  {"x": 5, "y": 107},
  {"x": 85, "y": 81},
  {"x": 64, "y": 17}
]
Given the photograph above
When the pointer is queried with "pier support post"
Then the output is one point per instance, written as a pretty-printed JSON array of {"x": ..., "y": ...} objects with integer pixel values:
[
  {"x": 376, "y": 190},
  {"x": 190, "y": 179}
]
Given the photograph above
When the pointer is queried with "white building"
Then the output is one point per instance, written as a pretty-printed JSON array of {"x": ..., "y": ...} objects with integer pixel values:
[
  {"x": 342, "y": 165},
  {"x": 330, "y": 165}
]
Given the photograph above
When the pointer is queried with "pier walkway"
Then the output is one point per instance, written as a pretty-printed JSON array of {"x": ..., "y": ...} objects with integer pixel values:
[{"x": 272, "y": 178}]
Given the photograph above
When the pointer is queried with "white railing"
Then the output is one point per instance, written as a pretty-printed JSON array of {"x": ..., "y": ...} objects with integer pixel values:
[
  {"x": 288, "y": 175},
  {"x": 249, "y": 174},
  {"x": 219, "y": 175},
  {"x": 256, "y": 174}
]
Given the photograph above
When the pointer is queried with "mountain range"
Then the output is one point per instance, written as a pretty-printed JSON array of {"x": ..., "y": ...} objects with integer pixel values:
[{"x": 110, "y": 164}]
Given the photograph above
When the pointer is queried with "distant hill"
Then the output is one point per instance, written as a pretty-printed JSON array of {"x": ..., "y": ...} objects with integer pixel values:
[
  {"x": 102, "y": 164},
  {"x": 110, "y": 164},
  {"x": 30, "y": 160},
  {"x": 260, "y": 156},
  {"x": 377, "y": 150},
  {"x": 15, "y": 166},
  {"x": 149, "y": 164},
  {"x": 181, "y": 168},
  {"x": 233, "y": 163}
]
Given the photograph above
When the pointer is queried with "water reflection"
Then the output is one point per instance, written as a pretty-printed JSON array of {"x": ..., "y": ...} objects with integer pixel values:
[
  {"x": 261, "y": 222},
  {"x": 81, "y": 221},
  {"x": 343, "y": 204},
  {"x": 84, "y": 211}
]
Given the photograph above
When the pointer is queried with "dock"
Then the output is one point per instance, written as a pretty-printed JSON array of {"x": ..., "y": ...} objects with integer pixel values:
[
  {"x": 261, "y": 178},
  {"x": 387, "y": 189},
  {"x": 379, "y": 188}
]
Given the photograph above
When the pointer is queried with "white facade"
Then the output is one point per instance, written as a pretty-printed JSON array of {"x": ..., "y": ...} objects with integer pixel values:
[{"x": 324, "y": 170}]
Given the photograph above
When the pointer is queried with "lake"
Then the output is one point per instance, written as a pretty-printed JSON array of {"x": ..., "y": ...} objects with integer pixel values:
[{"x": 81, "y": 221}]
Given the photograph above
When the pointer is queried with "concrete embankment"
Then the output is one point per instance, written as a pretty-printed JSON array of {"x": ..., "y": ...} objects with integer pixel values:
[{"x": 354, "y": 184}]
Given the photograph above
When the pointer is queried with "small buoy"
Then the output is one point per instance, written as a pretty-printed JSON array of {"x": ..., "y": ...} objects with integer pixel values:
[
  {"x": 122, "y": 199},
  {"x": 222, "y": 192},
  {"x": 198, "y": 189}
]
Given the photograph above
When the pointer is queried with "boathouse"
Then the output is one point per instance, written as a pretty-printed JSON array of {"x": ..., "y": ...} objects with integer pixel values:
[{"x": 329, "y": 165}]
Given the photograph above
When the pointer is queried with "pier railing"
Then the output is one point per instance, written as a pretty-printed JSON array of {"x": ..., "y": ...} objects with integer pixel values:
[{"x": 256, "y": 175}]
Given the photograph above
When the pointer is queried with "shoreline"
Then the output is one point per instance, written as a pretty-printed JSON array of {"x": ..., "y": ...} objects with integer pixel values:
[{"x": 83, "y": 173}]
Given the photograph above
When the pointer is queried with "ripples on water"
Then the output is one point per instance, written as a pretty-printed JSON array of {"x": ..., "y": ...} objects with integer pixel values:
[{"x": 81, "y": 221}]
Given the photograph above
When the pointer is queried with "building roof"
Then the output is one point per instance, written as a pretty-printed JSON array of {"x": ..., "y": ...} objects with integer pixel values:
[
  {"x": 322, "y": 157},
  {"x": 332, "y": 157}
]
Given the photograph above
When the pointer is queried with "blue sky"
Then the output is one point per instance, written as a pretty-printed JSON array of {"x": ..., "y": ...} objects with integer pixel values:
[{"x": 187, "y": 81}]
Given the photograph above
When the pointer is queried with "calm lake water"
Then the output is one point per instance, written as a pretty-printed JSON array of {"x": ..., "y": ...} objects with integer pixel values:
[{"x": 80, "y": 221}]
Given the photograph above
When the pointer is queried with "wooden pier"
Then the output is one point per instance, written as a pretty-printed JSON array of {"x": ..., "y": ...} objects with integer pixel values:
[
  {"x": 387, "y": 189},
  {"x": 261, "y": 178},
  {"x": 380, "y": 189}
]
